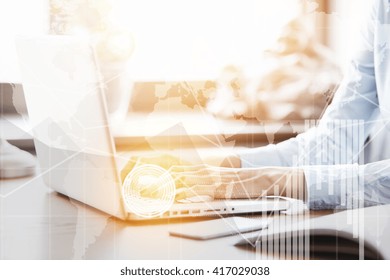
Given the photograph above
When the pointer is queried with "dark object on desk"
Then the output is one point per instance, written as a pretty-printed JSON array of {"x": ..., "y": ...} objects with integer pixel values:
[
  {"x": 12, "y": 99},
  {"x": 351, "y": 234},
  {"x": 15, "y": 162},
  {"x": 333, "y": 245},
  {"x": 321, "y": 244}
]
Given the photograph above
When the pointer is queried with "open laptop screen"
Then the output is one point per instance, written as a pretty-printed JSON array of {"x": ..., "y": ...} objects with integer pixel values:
[{"x": 69, "y": 119}]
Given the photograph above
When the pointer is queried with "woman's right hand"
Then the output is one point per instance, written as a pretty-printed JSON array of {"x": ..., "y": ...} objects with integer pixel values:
[{"x": 164, "y": 160}]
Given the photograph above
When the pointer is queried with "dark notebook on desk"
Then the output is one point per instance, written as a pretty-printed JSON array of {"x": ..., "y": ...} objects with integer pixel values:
[{"x": 352, "y": 234}]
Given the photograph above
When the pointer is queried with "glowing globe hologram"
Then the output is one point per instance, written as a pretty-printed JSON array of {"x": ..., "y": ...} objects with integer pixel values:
[{"x": 148, "y": 190}]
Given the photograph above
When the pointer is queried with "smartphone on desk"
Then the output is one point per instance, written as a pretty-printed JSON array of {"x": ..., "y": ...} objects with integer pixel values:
[{"x": 219, "y": 228}]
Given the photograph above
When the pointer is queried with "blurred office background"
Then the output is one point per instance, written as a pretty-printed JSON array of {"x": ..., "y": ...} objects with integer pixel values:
[{"x": 253, "y": 60}]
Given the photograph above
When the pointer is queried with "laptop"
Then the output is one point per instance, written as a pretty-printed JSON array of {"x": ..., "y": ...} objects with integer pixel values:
[{"x": 72, "y": 137}]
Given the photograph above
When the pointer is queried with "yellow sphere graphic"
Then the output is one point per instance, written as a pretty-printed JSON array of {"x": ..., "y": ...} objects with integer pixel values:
[{"x": 148, "y": 190}]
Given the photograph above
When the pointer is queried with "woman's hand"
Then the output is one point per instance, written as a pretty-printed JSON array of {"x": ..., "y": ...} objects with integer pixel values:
[
  {"x": 223, "y": 178},
  {"x": 218, "y": 182},
  {"x": 165, "y": 161},
  {"x": 148, "y": 184},
  {"x": 168, "y": 162}
]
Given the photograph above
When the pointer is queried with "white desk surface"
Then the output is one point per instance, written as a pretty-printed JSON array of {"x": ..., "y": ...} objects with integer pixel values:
[{"x": 37, "y": 223}]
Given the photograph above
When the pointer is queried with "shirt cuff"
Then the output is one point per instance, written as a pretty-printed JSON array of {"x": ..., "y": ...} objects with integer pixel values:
[{"x": 334, "y": 186}]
